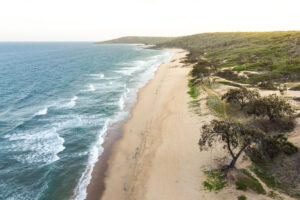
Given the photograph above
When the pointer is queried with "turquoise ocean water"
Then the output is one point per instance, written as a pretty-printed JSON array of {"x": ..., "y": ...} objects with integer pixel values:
[{"x": 57, "y": 101}]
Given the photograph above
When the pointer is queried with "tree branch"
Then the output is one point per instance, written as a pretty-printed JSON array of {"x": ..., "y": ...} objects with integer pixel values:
[
  {"x": 229, "y": 148},
  {"x": 241, "y": 150}
]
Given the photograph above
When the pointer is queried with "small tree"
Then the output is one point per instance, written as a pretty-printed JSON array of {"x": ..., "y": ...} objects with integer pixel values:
[
  {"x": 241, "y": 96},
  {"x": 236, "y": 137},
  {"x": 272, "y": 106}
]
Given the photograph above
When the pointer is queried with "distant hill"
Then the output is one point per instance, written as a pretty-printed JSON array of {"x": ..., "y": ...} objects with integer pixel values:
[
  {"x": 138, "y": 40},
  {"x": 275, "y": 55}
]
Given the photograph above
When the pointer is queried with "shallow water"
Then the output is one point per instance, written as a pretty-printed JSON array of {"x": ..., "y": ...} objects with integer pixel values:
[{"x": 56, "y": 102}]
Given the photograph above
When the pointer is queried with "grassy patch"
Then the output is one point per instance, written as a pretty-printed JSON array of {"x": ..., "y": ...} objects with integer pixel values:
[
  {"x": 230, "y": 84},
  {"x": 195, "y": 106},
  {"x": 216, "y": 105},
  {"x": 214, "y": 181},
  {"x": 246, "y": 181},
  {"x": 193, "y": 92},
  {"x": 270, "y": 180},
  {"x": 239, "y": 68}
]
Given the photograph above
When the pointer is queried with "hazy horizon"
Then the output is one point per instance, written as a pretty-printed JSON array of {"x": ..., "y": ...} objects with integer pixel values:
[{"x": 91, "y": 20}]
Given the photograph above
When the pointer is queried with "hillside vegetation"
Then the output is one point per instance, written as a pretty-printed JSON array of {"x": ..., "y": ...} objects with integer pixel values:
[
  {"x": 138, "y": 40},
  {"x": 274, "y": 55},
  {"x": 263, "y": 56}
]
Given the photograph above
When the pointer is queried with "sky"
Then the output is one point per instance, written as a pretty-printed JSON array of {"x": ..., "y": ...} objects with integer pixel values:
[{"x": 97, "y": 20}]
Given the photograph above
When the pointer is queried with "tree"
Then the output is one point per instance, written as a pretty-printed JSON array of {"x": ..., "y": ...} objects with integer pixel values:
[
  {"x": 236, "y": 137},
  {"x": 241, "y": 96},
  {"x": 272, "y": 106},
  {"x": 202, "y": 69}
]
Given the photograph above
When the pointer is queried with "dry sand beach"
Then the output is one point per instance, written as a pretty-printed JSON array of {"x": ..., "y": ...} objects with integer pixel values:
[{"x": 158, "y": 155}]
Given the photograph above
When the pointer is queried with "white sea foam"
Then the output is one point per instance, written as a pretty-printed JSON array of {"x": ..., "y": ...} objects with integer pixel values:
[
  {"x": 96, "y": 150},
  {"x": 121, "y": 103},
  {"x": 42, "y": 112},
  {"x": 91, "y": 87},
  {"x": 42, "y": 145},
  {"x": 132, "y": 67},
  {"x": 97, "y": 75},
  {"x": 72, "y": 103}
]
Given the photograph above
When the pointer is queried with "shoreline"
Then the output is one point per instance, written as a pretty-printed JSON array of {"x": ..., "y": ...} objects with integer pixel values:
[
  {"x": 96, "y": 187},
  {"x": 114, "y": 134}
]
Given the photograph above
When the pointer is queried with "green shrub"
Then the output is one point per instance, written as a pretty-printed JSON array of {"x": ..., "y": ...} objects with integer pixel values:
[
  {"x": 214, "y": 180},
  {"x": 242, "y": 197},
  {"x": 272, "y": 106},
  {"x": 241, "y": 96},
  {"x": 193, "y": 92},
  {"x": 239, "y": 68},
  {"x": 277, "y": 144},
  {"x": 201, "y": 69}
]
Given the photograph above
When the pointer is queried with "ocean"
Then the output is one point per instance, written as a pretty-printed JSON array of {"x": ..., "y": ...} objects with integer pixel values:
[{"x": 57, "y": 101}]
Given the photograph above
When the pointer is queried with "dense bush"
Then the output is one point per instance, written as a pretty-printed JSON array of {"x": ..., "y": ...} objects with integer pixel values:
[
  {"x": 242, "y": 197},
  {"x": 272, "y": 106},
  {"x": 230, "y": 75},
  {"x": 202, "y": 69},
  {"x": 274, "y": 126},
  {"x": 278, "y": 144},
  {"x": 297, "y": 87},
  {"x": 267, "y": 85},
  {"x": 241, "y": 96}
]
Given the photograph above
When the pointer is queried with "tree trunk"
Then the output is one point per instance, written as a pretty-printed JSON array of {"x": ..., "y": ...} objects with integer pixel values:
[
  {"x": 242, "y": 106},
  {"x": 234, "y": 159}
]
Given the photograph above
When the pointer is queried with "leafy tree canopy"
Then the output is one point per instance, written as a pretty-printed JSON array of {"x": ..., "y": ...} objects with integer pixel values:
[
  {"x": 236, "y": 137},
  {"x": 272, "y": 106},
  {"x": 241, "y": 96}
]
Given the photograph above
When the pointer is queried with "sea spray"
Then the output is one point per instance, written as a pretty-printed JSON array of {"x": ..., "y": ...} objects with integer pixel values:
[{"x": 42, "y": 112}]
